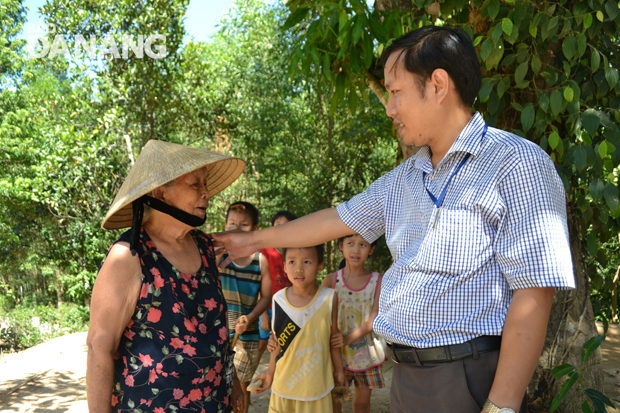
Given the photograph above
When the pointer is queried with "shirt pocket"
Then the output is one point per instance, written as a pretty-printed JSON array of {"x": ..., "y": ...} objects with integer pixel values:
[{"x": 455, "y": 243}]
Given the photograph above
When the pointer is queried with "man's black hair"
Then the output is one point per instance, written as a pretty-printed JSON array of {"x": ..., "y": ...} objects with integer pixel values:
[
  {"x": 286, "y": 214},
  {"x": 319, "y": 252},
  {"x": 440, "y": 47},
  {"x": 247, "y": 207}
]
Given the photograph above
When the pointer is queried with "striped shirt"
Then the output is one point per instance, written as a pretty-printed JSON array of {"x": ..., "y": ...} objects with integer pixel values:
[
  {"x": 503, "y": 227},
  {"x": 241, "y": 287}
]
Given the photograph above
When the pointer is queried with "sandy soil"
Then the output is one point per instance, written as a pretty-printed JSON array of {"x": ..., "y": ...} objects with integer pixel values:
[{"x": 51, "y": 377}]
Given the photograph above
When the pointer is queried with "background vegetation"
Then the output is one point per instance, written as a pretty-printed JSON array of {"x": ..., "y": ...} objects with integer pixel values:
[{"x": 295, "y": 90}]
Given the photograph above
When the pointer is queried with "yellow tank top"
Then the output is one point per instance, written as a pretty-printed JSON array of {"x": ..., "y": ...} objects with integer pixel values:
[{"x": 304, "y": 367}]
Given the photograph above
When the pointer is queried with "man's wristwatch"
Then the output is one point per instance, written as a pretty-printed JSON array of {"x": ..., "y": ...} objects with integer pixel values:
[{"x": 490, "y": 407}]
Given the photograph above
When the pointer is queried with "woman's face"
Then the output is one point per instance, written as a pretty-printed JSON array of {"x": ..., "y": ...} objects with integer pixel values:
[{"x": 189, "y": 193}]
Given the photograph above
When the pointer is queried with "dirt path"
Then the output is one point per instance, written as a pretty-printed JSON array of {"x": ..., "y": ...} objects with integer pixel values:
[{"x": 51, "y": 377}]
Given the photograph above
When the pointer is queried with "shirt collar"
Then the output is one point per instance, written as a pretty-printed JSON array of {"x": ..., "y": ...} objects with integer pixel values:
[{"x": 469, "y": 140}]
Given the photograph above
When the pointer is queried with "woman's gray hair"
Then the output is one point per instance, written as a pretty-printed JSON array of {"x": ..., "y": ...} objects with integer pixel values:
[{"x": 148, "y": 211}]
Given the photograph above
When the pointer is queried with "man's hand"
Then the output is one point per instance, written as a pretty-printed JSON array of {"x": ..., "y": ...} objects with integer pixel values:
[
  {"x": 237, "y": 397},
  {"x": 237, "y": 243},
  {"x": 241, "y": 324},
  {"x": 337, "y": 340}
]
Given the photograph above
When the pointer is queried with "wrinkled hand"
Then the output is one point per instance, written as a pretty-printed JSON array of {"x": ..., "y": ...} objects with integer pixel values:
[
  {"x": 237, "y": 243},
  {"x": 265, "y": 322},
  {"x": 272, "y": 344},
  {"x": 339, "y": 379},
  {"x": 267, "y": 380},
  {"x": 237, "y": 399},
  {"x": 337, "y": 340},
  {"x": 241, "y": 325}
]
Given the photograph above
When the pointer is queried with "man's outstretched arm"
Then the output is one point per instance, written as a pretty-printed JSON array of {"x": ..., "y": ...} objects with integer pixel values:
[{"x": 313, "y": 229}]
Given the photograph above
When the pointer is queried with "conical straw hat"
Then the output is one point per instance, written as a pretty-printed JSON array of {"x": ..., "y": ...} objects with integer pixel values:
[{"x": 161, "y": 162}]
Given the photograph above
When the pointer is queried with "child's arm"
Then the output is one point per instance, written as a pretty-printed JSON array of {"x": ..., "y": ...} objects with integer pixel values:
[
  {"x": 337, "y": 339},
  {"x": 365, "y": 328},
  {"x": 267, "y": 377},
  {"x": 329, "y": 280},
  {"x": 339, "y": 378},
  {"x": 265, "y": 297}
]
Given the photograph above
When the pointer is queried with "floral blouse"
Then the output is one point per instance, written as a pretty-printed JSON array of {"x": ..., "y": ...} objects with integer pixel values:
[{"x": 174, "y": 353}]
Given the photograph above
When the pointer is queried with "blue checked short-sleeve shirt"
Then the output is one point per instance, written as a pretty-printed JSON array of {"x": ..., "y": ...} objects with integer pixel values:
[{"x": 503, "y": 227}]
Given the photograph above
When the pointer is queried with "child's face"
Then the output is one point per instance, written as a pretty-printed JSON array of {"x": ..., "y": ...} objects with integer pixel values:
[
  {"x": 356, "y": 250},
  {"x": 280, "y": 221},
  {"x": 239, "y": 220},
  {"x": 301, "y": 266}
]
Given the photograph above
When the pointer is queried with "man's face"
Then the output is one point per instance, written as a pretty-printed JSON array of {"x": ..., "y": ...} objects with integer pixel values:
[{"x": 406, "y": 106}]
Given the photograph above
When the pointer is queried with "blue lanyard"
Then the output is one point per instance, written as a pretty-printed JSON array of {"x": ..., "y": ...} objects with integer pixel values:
[{"x": 439, "y": 201}]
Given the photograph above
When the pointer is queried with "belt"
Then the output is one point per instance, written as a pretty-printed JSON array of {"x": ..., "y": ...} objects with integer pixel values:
[{"x": 443, "y": 354}]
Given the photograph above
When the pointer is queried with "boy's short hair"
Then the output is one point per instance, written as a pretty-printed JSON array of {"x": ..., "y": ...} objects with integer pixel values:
[
  {"x": 286, "y": 214},
  {"x": 341, "y": 239},
  {"x": 247, "y": 207},
  {"x": 319, "y": 252}
]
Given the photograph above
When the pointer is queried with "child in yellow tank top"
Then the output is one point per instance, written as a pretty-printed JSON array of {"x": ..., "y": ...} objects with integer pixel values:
[{"x": 304, "y": 368}]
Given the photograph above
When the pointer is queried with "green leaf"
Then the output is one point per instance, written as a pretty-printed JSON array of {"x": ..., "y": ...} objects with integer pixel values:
[
  {"x": 507, "y": 26},
  {"x": 179, "y": 358},
  {"x": 556, "y": 102},
  {"x": 611, "y": 75},
  {"x": 590, "y": 347},
  {"x": 585, "y": 407},
  {"x": 496, "y": 55},
  {"x": 592, "y": 244},
  {"x": 543, "y": 101},
  {"x": 580, "y": 156},
  {"x": 611, "y": 196},
  {"x": 327, "y": 71},
  {"x": 485, "y": 49},
  {"x": 598, "y": 399},
  {"x": 131, "y": 404},
  {"x": 527, "y": 117},
  {"x": 154, "y": 390},
  {"x": 554, "y": 139},
  {"x": 600, "y": 16},
  {"x": 343, "y": 18},
  {"x": 493, "y": 9},
  {"x": 377, "y": 29},
  {"x": 595, "y": 60},
  {"x": 564, "y": 389},
  {"x": 358, "y": 26},
  {"x": 521, "y": 72},
  {"x": 602, "y": 149},
  {"x": 591, "y": 119},
  {"x": 368, "y": 51},
  {"x": 536, "y": 64},
  {"x": 611, "y": 7},
  {"x": 569, "y": 47},
  {"x": 561, "y": 371},
  {"x": 165, "y": 350},
  {"x": 296, "y": 17},
  {"x": 533, "y": 30},
  {"x": 569, "y": 94},
  {"x": 596, "y": 189},
  {"x": 587, "y": 20},
  {"x": 485, "y": 90},
  {"x": 582, "y": 43},
  {"x": 497, "y": 33}
]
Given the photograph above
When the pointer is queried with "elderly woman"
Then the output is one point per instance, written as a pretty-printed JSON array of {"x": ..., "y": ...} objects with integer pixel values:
[{"x": 158, "y": 337}]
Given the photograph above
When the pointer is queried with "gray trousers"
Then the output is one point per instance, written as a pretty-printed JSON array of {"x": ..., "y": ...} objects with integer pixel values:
[{"x": 459, "y": 386}]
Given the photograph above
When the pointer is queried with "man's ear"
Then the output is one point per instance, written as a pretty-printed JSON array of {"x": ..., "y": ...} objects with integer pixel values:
[
  {"x": 320, "y": 267},
  {"x": 441, "y": 84}
]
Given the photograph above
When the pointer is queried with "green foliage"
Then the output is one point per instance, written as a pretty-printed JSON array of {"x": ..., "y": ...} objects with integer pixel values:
[
  {"x": 27, "y": 326},
  {"x": 593, "y": 400}
]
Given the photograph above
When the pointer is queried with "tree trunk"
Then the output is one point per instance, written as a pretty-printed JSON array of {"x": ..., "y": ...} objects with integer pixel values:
[
  {"x": 571, "y": 324},
  {"x": 58, "y": 287}
]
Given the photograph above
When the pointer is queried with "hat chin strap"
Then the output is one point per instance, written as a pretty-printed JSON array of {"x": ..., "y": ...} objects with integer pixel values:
[{"x": 176, "y": 213}]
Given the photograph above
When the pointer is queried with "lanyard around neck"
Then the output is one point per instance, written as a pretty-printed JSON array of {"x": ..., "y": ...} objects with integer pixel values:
[{"x": 439, "y": 201}]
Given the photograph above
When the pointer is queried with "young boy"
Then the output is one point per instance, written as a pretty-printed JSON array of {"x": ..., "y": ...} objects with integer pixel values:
[
  {"x": 278, "y": 278},
  {"x": 304, "y": 367},
  {"x": 242, "y": 281}
]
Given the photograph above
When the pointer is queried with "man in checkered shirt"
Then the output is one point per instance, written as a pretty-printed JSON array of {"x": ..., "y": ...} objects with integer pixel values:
[{"x": 476, "y": 224}]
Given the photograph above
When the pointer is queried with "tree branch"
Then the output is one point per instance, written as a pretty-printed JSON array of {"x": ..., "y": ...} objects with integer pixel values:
[{"x": 377, "y": 87}]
